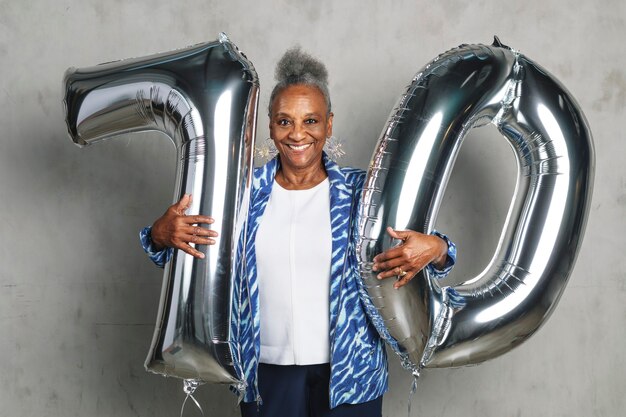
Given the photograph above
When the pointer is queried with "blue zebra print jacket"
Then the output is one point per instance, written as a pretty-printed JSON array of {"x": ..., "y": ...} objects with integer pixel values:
[{"x": 357, "y": 353}]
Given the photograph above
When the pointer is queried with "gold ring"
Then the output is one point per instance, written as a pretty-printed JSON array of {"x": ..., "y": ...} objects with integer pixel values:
[{"x": 402, "y": 273}]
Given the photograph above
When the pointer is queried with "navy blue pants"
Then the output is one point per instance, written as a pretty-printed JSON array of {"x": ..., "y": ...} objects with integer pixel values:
[{"x": 302, "y": 391}]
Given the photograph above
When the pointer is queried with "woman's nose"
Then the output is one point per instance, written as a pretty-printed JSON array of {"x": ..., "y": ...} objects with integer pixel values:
[{"x": 298, "y": 132}]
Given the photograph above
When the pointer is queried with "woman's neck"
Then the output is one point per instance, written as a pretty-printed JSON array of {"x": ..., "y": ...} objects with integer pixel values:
[{"x": 301, "y": 180}]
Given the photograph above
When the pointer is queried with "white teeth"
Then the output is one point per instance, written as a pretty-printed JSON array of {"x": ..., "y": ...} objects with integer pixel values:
[{"x": 299, "y": 147}]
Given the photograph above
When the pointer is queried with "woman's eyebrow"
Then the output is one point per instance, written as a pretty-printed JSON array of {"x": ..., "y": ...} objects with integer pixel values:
[{"x": 281, "y": 114}]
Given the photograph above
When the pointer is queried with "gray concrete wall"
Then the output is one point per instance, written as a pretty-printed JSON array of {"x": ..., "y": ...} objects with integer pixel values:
[{"x": 78, "y": 298}]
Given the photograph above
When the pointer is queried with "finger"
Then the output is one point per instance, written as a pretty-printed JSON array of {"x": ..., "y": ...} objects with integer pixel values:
[
  {"x": 198, "y": 219},
  {"x": 414, "y": 265},
  {"x": 395, "y": 271},
  {"x": 397, "y": 234},
  {"x": 388, "y": 265},
  {"x": 395, "y": 252},
  {"x": 403, "y": 280},
  {"x": 183, "y": 204},
  {"x": 198, "y": 231},
  {"x": 391, "y": 257},
  {"x": 185, "y": 233},
  {"x": 191, "y": 251},
  {"x": 196, "y": 240}
]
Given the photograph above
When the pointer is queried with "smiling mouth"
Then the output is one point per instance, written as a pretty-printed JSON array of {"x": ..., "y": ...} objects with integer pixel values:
[{"x": 299, "y": 147}]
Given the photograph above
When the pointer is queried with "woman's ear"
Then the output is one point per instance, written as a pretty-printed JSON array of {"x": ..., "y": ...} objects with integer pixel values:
[{"x": 329, "y": 125}]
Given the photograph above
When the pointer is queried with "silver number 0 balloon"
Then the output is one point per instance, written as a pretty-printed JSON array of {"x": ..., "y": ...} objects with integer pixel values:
[
  {"x": 489, "y": 314},
  {"x": 204, "y": 98}
]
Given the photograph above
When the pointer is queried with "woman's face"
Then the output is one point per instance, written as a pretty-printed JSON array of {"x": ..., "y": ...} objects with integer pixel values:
[{"x": 299, "y": 126}]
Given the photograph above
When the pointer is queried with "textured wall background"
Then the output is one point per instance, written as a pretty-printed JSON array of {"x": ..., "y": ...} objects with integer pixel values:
[{"x": 78, "y": 298}]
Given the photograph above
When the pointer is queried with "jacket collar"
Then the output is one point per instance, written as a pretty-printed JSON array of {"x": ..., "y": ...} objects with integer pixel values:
[{"x": 265, "y": 181}]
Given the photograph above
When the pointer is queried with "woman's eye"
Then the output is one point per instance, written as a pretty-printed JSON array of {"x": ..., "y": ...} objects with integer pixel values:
[{"x": 283, "y": 122}]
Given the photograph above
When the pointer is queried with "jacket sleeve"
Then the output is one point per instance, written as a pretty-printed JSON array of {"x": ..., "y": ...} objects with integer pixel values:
[
  {"x": 450, "y": 261},
  {"x": 159, "y": 257}
]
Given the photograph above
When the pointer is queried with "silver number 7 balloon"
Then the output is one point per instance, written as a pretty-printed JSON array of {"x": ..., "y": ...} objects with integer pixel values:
[
  {"x": 487, "y": 315},
  {"x": 204, "y": 98}
]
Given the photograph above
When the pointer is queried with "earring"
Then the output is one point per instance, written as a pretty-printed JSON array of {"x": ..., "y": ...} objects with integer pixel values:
[
  {"x": 334, "y": 148},
  {"x": 265, "y": 150}
]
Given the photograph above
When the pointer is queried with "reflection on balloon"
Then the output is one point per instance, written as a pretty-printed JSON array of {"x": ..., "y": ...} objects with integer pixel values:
[
  {"x": 204, "y": 98},
  {"x": 489, "y": 314}
]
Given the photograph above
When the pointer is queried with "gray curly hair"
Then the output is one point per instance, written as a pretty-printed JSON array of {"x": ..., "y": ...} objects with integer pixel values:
[{"x": 297, "y": 68}]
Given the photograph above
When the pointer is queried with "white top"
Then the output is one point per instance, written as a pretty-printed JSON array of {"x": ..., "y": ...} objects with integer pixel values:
[{"x": 293, "y": 257}]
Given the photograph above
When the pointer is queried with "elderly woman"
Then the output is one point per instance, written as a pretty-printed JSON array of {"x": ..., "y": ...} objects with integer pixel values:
[{"x": 307, "y": 346}]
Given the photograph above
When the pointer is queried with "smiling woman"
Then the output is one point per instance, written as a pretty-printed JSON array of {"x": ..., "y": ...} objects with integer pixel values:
[
  {"x": 305, "y": 343},
  {"x": 300, "y": 119},
  {"x": 299, "y": 125}
]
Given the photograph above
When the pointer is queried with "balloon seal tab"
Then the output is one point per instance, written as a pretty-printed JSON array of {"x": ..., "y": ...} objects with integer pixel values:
[
  {"x": 222, "y": 37},
  {"x": 241, "y": 387},
  {"x": 189, "y": 387},
  {"x": 416, "y": 375},
  {"x": 497, "y": 43}
]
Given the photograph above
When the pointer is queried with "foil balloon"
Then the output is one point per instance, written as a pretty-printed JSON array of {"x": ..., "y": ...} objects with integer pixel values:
[
  {"x": 204, "y": 98},
  {"x": 489, "y": 314}
]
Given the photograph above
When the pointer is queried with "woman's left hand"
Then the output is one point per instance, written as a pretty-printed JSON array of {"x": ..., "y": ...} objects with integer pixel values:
[{"x": 405, "y": 260}]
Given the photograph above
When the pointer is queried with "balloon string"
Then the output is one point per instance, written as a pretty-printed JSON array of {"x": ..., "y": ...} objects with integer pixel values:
[
  {"x": 189, "y": 387},
  {"x": 416, "y": 375}
]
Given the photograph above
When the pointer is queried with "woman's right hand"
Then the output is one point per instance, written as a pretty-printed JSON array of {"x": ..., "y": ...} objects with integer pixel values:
[{"x": 177, "y": 230}]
